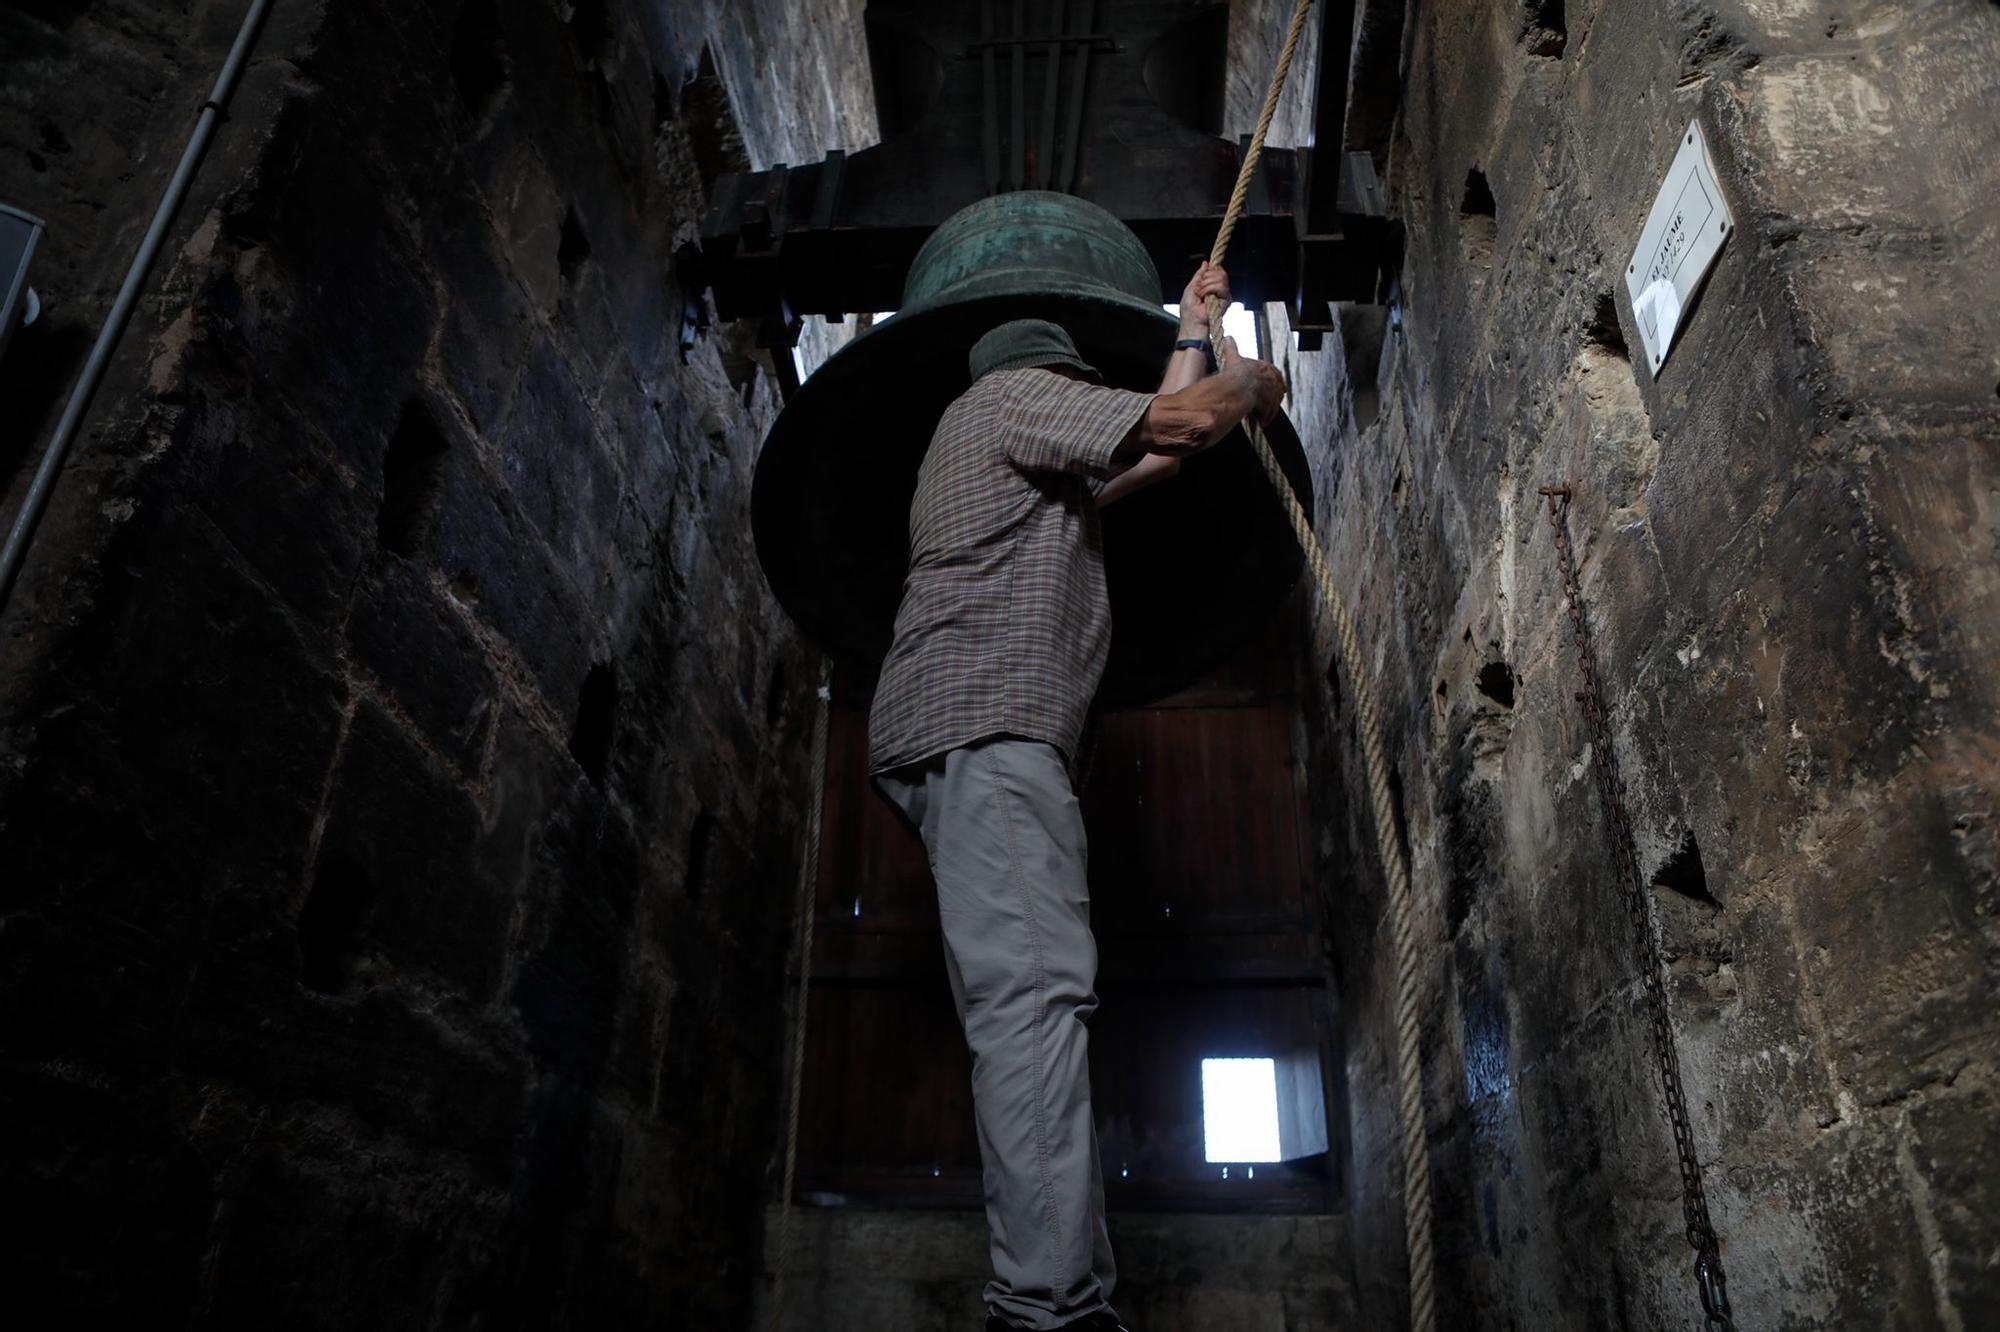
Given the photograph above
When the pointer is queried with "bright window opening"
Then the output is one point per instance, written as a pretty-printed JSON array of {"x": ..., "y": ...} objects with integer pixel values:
[
  {"x": 1238, "y": 323},
  {"x": 1239, "y": 1109}
]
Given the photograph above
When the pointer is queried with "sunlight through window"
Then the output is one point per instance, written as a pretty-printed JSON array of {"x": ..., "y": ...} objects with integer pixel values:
[
  {"x": 1239, "y": 1109},
  {"x": 1238, "y": 323}
]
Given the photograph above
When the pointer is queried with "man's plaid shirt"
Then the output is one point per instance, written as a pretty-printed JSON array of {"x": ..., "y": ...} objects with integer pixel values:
[{"x": 1004, "y": 624}]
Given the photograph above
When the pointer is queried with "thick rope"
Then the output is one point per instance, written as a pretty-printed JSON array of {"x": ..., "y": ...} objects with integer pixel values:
[
  {"x": 1239, "y": 195},
  {"x": 808, "y": 887},
  {"x": 1409, "y": 1054}
]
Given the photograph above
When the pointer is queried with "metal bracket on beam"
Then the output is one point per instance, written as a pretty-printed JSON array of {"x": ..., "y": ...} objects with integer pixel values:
[
  {"x": 826, "y": 198},
  {"x": 1360, "y": 188},
  {"x": 780, "y": 331},
  {"x": 763, "y": 217}
]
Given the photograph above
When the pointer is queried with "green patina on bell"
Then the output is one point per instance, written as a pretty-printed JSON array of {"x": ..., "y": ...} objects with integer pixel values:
[{"x": 1193, "y": 566}]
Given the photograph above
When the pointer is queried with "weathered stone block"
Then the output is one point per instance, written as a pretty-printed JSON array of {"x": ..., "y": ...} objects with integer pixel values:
[
  {"x": 340, "y": 325},
  {"x": 407, "y": 633},
  {"x": 292, "y": 511},
  {"x": 1830, "y": 1236},
  {"x": 401, "y": 826},
  {"x": 241, "y": 702},
  {"x": 1952, "y": 1138},
  {"x": 556, "y": 469},
  {"x": 492, "y": 559},
  {"x": 404, "y": 1228},
  {"x": 488, "y": 324}
]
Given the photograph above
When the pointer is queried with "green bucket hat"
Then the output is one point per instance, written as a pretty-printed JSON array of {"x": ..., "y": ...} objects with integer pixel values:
[{"x": 1025, "y": 344}]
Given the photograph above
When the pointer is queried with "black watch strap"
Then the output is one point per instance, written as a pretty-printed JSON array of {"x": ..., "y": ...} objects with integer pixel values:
[{"x": 1202, "y": 345}]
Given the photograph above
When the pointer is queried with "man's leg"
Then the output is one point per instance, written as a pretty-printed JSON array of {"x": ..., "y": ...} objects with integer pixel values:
[{"x": 1006, "y": 842}]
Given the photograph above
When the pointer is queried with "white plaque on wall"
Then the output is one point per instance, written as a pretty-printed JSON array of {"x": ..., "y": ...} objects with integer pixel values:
[{"x": 1684, "y": 232}]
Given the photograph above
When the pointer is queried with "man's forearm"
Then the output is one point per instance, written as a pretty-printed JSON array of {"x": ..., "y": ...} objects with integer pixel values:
[
  {"x": 1185, "y": 368},
  {"x": 1202, "y": 413},
  {"x": 1150, "y": 470},
  {"x": 1189, "y": 420}
]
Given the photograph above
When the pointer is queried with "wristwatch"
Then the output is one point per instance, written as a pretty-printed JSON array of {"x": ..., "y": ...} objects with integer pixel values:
[{"x": 1202, "y": 345}]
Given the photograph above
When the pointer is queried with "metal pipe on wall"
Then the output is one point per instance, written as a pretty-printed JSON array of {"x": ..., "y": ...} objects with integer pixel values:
[{"x": 22, "y": 535}]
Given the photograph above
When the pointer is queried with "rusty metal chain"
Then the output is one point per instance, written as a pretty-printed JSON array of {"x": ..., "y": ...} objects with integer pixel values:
[{"x": 1611, "y": 790}]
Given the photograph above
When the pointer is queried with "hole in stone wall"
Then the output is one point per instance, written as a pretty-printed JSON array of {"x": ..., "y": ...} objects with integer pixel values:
[
  {"x": 1625, "y": 451},
  {"x": 774, "y": 696},
  {"x": 333, "y": 927},
  {"x": 665, "y": 105},
  {"x": 1496, "y": 681},
  {"x": 1401, "y": 816},
  {"x": 590, "y": 24},
  {"x": 1367, "y": 404},
  {"x": 1333, "y": 687},
  {"x": 479, "y": 66},
  {"x": 1363, "y": 331},
  {"x": 574, "y": 247},
  {"x": 1478, "y": 199},
  {"x": 412, "y": 483},
  {"x": 1440, "y": 696},
  {"x": 697, "y": 855},
  {"x": 711, "y": 124},
  {"x": 1544, "y": 28},
  {"x": 596, "y": 710},
  {"x": 1478, "y": 219},
  {"x": 1602, "y": 332},
  {"x": 1682, "y": 872}
]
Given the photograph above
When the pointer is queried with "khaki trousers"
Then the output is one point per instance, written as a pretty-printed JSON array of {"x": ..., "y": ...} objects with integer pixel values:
[{"x": 1005, "y": 837}]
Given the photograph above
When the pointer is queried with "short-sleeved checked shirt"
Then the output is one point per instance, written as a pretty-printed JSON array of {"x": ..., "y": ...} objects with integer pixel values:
[{"x": 1004, "y": 624}]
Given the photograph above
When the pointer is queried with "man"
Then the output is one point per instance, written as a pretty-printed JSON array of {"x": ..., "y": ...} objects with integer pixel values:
[{"x": 1000, "y": 641}]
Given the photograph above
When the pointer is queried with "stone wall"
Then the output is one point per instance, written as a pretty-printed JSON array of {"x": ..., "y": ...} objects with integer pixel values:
[
  {"x": 401, "y": 760},
  {"x": 1788, "y": 549}
]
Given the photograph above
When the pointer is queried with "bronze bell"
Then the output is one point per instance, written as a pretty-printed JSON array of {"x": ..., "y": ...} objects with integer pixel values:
[{"x": 1193, "y": 567}]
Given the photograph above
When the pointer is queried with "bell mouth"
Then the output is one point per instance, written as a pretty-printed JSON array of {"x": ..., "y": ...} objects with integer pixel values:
[{"x": 1192, "y": 567}]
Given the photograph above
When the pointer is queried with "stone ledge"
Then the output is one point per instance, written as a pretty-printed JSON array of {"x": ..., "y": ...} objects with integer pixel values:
[{"x": 922, "y": 1270}]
